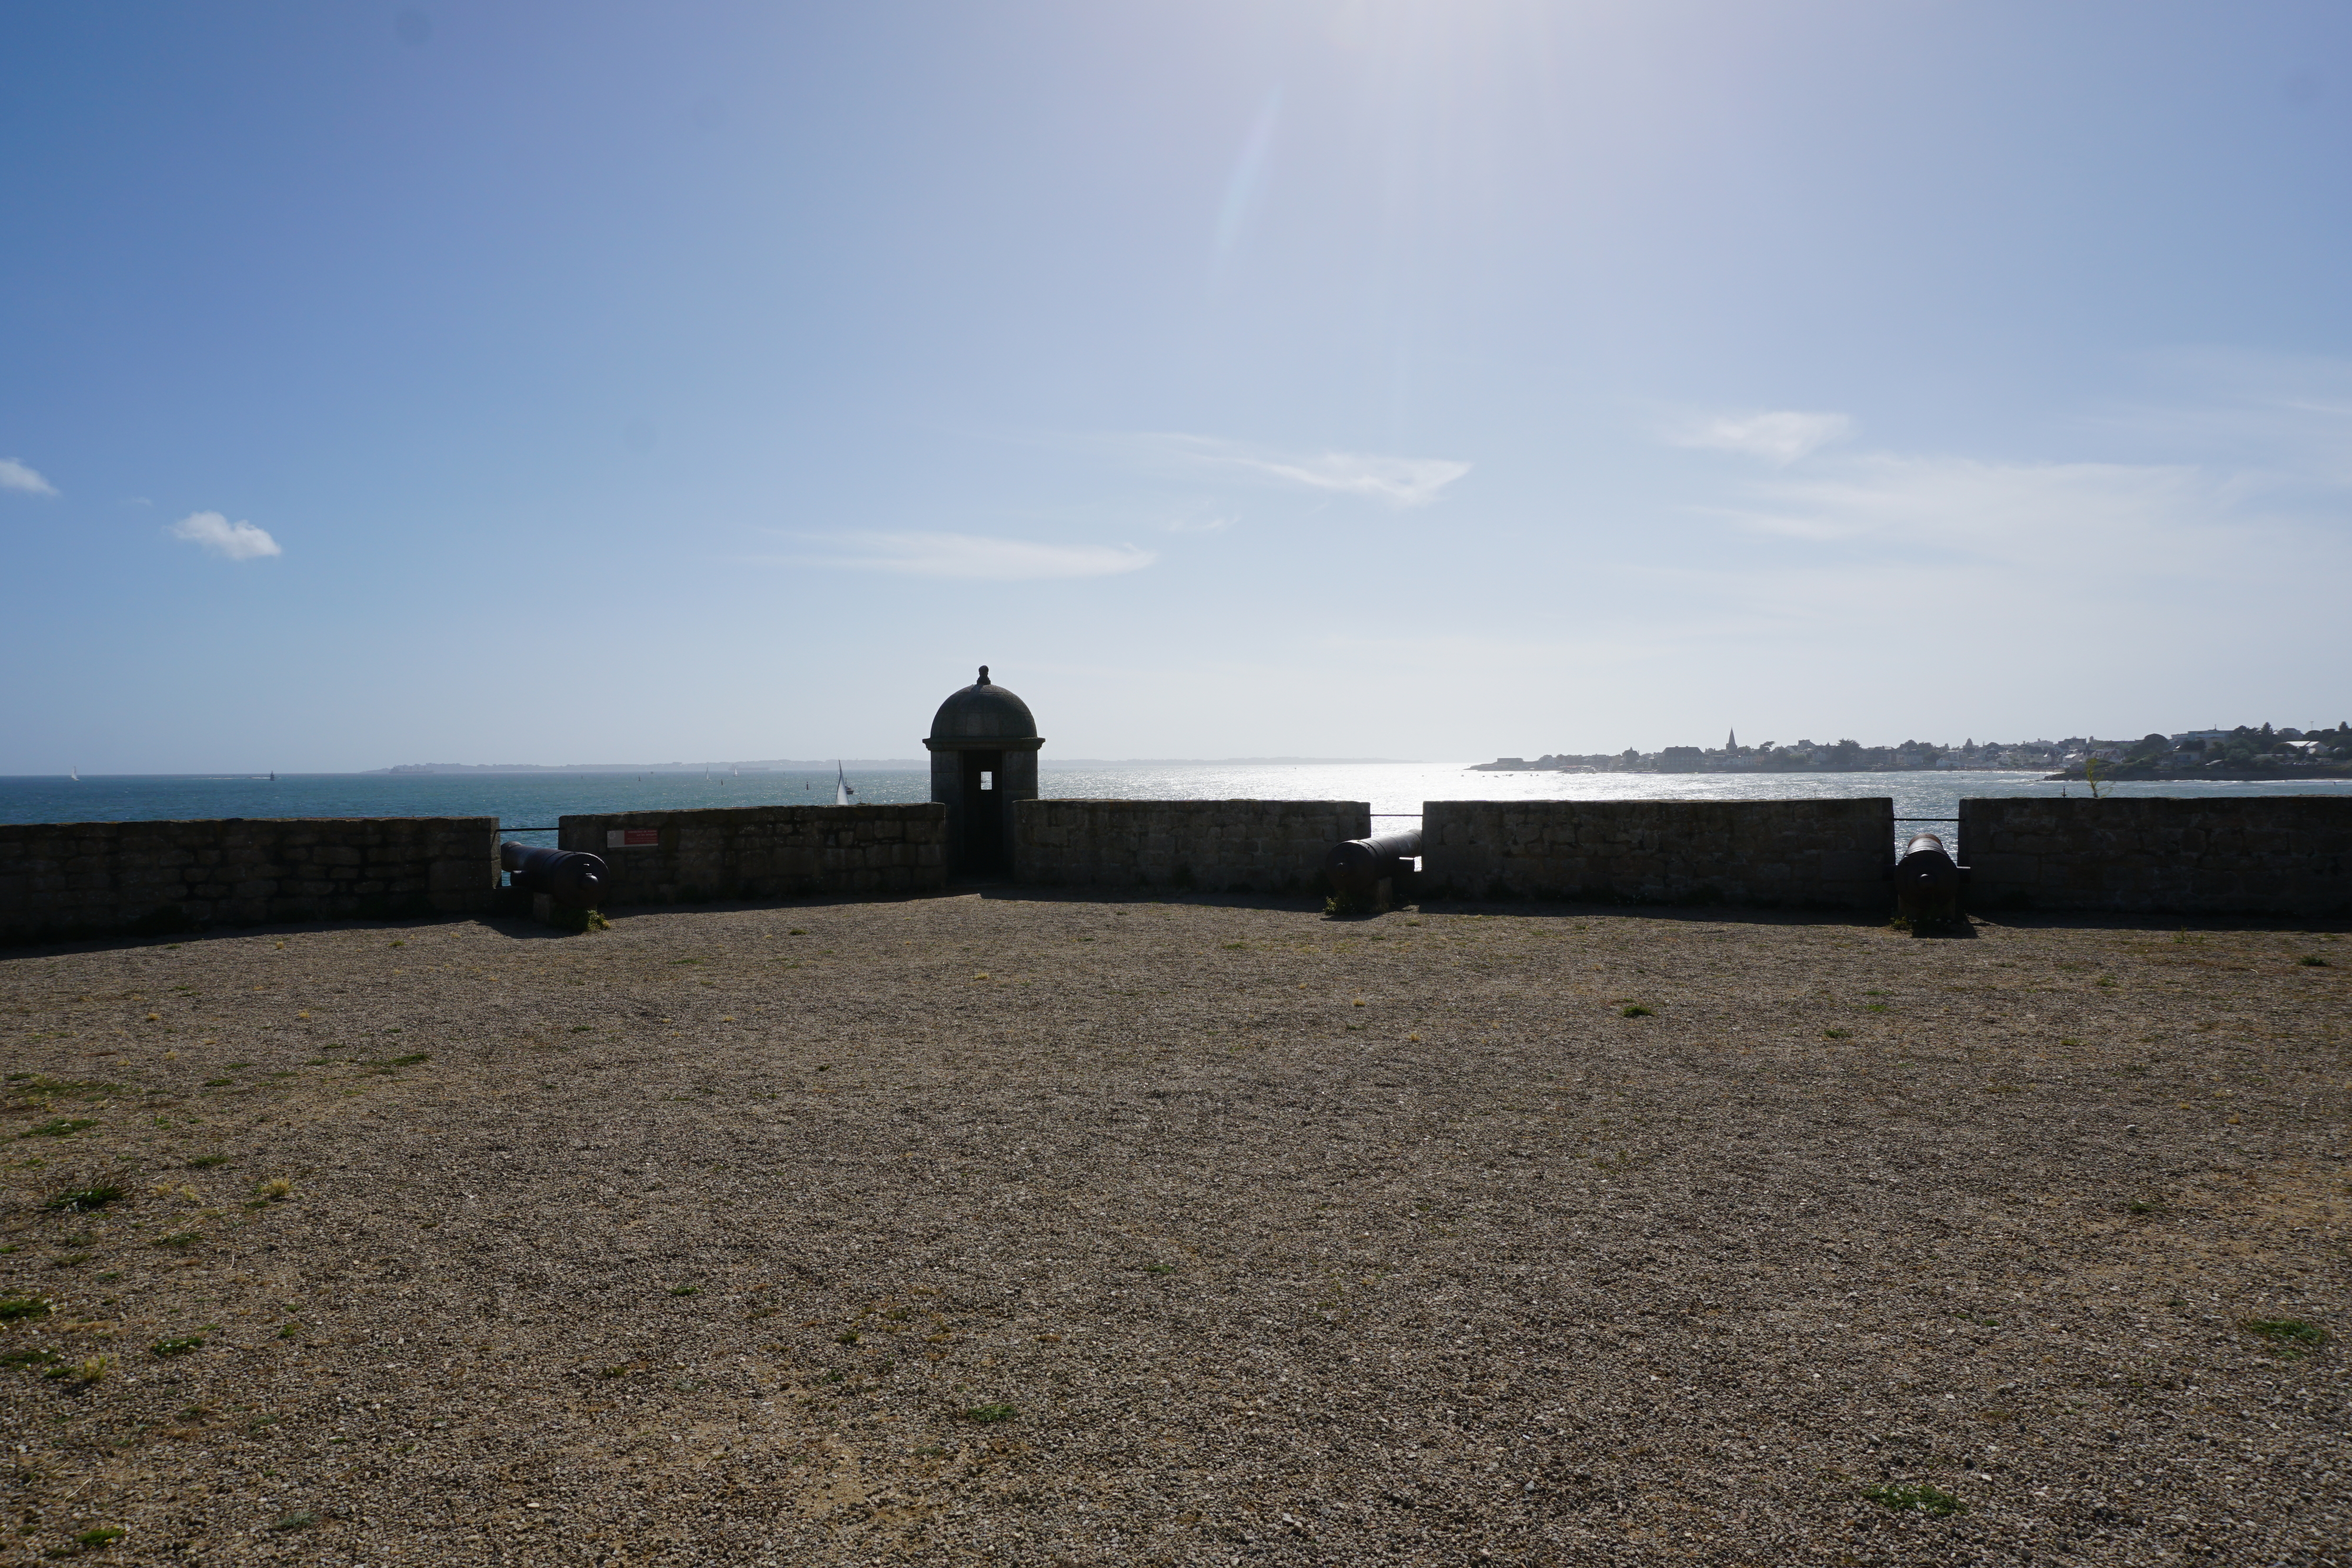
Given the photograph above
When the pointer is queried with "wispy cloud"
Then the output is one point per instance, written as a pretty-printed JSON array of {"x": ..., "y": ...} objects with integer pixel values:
[
  {"x": 2128, "y": 518},
  {"x": 978, "y": 558},
  {"x": 1781, "y": 435},
  {"x": 16, "y": 475},
  {"x": 238, "y": 541},
  {"x": 1397, "y": 481}
]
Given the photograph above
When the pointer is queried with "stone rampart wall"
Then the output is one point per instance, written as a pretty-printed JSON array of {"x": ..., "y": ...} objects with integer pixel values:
[
  {"x": 2279, "y": 854},
  {"x": 1816, "y": 853},
  {"x": 1215, "y": 846},
  {"x": 61, "y": 880},
  {"x": 766, "y": 851}
]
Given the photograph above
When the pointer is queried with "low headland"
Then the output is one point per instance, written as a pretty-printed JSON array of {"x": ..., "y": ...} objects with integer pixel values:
[{"x": 2245, "y": 752}]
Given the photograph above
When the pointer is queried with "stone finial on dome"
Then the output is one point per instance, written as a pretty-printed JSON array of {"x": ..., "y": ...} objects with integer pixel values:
[{"x": 983, "y": 676}]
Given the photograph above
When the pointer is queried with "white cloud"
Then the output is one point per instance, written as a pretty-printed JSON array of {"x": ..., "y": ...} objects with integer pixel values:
[
  {"x": 2128, "y": 518},
  {"x": 1398, "y": 481},
  {"x": 15, "y": 475},
  {"x": 1779, "y": 436},
  {"x": 986, "y": 560},
  {"x": 238, "y": 541}
]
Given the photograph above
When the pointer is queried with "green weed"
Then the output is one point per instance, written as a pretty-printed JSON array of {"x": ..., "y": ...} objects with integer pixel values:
[
  {"x": 686, "y": 1289},
  {"x": 62, "y": 1127},
  {"x": 1635, "y": 1010},
  {"x": 1837, "y": 1034},
  {"x": 1921, "y": 1495},
  {"x": 304, "y": 1520},
  {"x": 100, "y": 1535},
  {"x": 2292, "y": 1336},
  {"x": 181, "y": 1239},
  {"x": 82, "y": 1198},
  {"x": 2312, "y": 961},
  {"x": 207, "y": 1162},
  {"x": 16, "y": 1308},
  {"x": 177, "y": 1346},
  {"x": 987, "y": 1413}
]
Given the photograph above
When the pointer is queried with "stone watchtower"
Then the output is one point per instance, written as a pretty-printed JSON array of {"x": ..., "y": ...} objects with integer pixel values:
[{"x": 983, "y": 750}]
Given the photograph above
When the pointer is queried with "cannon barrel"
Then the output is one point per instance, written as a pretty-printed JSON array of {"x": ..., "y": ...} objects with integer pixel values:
[
  {"x": 1358, "y": 866},
  {"x": 1926, "y": 881},
  {"x": 567, "y": 876}
]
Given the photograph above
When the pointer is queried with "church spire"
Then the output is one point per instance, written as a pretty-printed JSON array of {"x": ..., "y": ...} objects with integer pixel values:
[{"x": 1732, "y": 745}]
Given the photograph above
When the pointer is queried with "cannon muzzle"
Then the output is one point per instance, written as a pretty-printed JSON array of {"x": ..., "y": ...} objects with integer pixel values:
[
  {"x": 567, "y": 876},
  {"x": 1358, "y": 866},
  {"x": 1926, "y": 882}
]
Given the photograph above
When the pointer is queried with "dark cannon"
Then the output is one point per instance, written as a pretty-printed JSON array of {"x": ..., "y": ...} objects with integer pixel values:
[
  {"x": 566, "y": 876},
  {"x": 1928, "y": 882},
  {"x": 1358, "y": 867}
]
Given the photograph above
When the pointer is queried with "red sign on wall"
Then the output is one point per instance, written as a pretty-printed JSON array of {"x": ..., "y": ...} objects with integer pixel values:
[{"x": 632, "y": 838}]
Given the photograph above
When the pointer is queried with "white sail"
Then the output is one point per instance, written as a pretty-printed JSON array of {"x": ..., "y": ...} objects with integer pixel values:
[{"x": 841, "y": 792}]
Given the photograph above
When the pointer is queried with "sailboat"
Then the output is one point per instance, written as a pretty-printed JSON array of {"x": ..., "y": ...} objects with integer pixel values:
[
  {"x": 842, "y": 793},
  {"x": 74, "y": 773}
]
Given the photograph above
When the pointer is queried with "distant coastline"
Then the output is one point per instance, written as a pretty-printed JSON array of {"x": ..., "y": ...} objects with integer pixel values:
[
  {"x": 2246, "y": 752},
  {"x": 869, "y": 764}
]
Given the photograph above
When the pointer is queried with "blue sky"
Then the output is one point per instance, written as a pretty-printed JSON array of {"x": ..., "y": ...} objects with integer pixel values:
[{"x": 538, "y": 382}]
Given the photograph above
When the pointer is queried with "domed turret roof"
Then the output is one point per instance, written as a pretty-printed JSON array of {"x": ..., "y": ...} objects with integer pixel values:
[{"x": 984, "y": 711}]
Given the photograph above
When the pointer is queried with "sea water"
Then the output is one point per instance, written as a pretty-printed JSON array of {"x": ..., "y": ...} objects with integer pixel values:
[{"x": 1396, "y": 790}]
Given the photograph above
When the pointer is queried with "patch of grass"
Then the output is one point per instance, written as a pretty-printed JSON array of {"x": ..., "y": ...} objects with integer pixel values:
[
  {"x": 69, "y": 1260},
  {"x": 2312, "y": 961},
  {"x": 81, "y": 1199},
  {"x": 2294, "y": 1335},
  {"x": 846, "y": 1336},
  {"x": 290, "y": 1331},
  {"x": 90, "y": 1369},
  {"x": 14, "y": 1309},
  {"x": 99, "y": 1535},
  {"x": 32, "y": 1358},
  {"x": 71, "y": 1088},
  {"x": 177, "y": 1346},
  {"x": 988, "y": 1414},
  {"x": 686, "y": 1289},
  {"x": 239, "y": 1066},
  {"x": 1837, "y": 1034},
  {"x": 1922, "y": 1495},
  {"x": 584, "y": 1028},
  {"x": 275, "y": 1189},
  {"x": 179, "y": 1238},
  {"x": 1873, "y": 1007},
  {"x": 1635, "y": 1010},
  {"x": 305, "y": 1519},
  {"x": 1159, "y": 1268},
  {"x": 61, "y": 1127},
  {"x": 219, "y": 1083},
  {"x": 207, "y": 1162}
]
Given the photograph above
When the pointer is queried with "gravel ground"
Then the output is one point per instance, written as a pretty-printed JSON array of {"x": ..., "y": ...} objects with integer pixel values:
[{"x": 1019, "y": 1229}]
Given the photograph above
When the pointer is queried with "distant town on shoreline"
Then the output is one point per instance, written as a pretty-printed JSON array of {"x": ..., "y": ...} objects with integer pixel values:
[{"x": 2247, "y": 751}]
